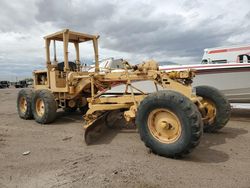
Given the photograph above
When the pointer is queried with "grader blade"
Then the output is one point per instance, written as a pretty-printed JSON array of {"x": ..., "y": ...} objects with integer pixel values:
[{"x": 94, "y": 131}]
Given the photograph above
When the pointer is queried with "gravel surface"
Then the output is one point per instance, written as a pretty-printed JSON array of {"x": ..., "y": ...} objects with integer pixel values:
[{"x": 55, "y": 155}]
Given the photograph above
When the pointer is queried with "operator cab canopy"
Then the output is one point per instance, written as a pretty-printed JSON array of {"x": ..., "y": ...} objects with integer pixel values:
[
  {"x": 67, "y": 36},
  {"x": 74, "y": 37}
]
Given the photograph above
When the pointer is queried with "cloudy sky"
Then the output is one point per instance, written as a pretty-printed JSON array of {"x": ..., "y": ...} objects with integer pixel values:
[{"x": 164, "y": 30}]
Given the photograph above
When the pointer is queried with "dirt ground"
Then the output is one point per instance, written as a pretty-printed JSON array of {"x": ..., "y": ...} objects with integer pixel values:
[{"x": 60, "y": 158}]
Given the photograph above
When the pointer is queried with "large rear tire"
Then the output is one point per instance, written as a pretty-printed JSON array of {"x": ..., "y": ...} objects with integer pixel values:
[
  {"x": 44, "y": 106},
  {"x": 169, "y": 123},
  {"x": 24, "y": 101},
  {"x": 218, "y": 109}
]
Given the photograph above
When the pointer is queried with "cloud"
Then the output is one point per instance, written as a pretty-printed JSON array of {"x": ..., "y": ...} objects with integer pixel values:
[
  {"x": 17, "y": 15},
  {"x": 175, "y": 31},
  {"x": 74, "y": 14}
]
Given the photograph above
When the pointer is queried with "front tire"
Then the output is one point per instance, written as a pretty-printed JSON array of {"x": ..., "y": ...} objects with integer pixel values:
[
  {"x": 169, "y": 123},
  {"x": 24, "y": 101},
  {"x": 44, "y": 106},
  {"x": 218, "y": 104}
]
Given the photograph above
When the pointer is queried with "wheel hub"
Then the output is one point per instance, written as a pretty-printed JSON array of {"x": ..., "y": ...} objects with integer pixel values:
[
  {"x": 23, "y": 105},
  {"x": 210, "y": 110},
  {"x": 167, "y": 126},
  {"x": 40, "y": 107},
  {"x": 164, "y": 125}
]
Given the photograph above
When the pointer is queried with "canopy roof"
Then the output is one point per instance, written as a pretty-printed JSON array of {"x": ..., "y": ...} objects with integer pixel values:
[{"x": 73, "y": 36}]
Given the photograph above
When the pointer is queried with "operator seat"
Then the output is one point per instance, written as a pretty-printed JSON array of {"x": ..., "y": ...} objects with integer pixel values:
[{"x": 72, "y": 66}]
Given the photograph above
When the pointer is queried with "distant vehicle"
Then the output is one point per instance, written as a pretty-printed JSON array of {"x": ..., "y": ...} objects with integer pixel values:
[
  {"x": 4, "y": 84},
  {"x": 21, "y": 84},
  {"x": 227, "y": 54},
  {"x": 29, "y": 82}
]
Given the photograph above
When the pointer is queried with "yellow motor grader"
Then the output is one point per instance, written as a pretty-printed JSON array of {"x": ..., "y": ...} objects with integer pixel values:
[{"x": 170, "y": 118}]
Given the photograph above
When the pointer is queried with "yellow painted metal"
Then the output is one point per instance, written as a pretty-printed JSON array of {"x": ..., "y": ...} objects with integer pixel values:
[
  {"x": 73, "y": 36},
  {"x": 164, "y": 125},
  {"x": 77, "y": 56},
  {"x": 79, "y": 81},
  {"x": 57, "y": 83},
  {"x": 181, "y": 74},
  {"x": 40, "y": 107},
  {"x": 130, "y": 114},
  {"x": 65, "y": 49},
  {"x": 71, "y": 89},
  {"x": 47, "y": 43},
  {"x": 99, "y": 107},
  {"x": 90, "y": 116},
  {"x": 67, "y": 36},
  {"x": 210, "y": 110},
  {"x": 95, "y": 45},
  {"x": 23, "y": 104},
  {"x": 74, "y": 85},
  {"x": 118, "y": 99}
]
